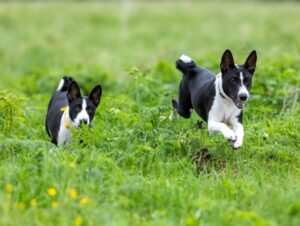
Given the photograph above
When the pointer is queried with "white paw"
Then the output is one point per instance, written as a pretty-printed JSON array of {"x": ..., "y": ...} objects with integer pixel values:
[{"x": 230, "y": 135}]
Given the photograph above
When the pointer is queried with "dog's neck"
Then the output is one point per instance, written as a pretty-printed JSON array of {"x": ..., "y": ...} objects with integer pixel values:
[{"x": 219, "y": 88}]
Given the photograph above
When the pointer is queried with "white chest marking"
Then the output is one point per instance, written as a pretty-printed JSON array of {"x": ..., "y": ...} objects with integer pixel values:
[
  {"x": 222, "y": 109},
  {"x": 64, "y": 133},
  {"x": 223, "y": 112}
]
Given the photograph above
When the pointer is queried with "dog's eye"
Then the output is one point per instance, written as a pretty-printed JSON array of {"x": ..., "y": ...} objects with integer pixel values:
[
  {"x": 246, "y": 79},
  {"x": 235, "y": 79},
  {"x": 90, "y": 110}
]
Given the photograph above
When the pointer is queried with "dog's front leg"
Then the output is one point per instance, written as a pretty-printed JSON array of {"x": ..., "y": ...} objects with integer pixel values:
[
  {"x": 219, "y": 127},
  {"x": 239, "y": 132}
]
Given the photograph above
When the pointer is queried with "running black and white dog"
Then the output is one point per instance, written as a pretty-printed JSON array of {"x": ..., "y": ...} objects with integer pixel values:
[
  {"x": 67, "y": 108},
  {"x": 218, "y": 99}
]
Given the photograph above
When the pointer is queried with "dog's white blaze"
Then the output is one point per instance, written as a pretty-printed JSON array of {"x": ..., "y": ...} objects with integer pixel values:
[
  {"x": 223, "y": 111},
  {"x": 185, "y": 58},
  {"x": 243, "y": 89},
  {"x": 82, "y": 115},
  {"x": 241, "y": 77},
  {"x": 60, "y": 85}
]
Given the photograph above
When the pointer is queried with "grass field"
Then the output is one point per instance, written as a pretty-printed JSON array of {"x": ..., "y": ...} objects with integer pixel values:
[{"x": 136, "y": 167}]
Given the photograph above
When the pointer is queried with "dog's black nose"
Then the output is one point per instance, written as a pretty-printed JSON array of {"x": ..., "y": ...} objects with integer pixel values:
[
  {"x": 243, "y": 96},
  {"x": 83, "y": 121}
]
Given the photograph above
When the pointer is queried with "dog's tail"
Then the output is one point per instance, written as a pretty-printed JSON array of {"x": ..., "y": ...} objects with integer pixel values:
[
  {"x": 186, "y": 65},
  {"x": 64, "y": 84}
]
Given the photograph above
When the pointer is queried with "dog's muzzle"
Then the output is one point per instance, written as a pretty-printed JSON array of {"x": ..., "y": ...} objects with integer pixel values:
[{"x": 242, "y": 98}]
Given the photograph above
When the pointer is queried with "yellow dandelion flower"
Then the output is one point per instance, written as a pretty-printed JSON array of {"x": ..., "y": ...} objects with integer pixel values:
[
  {"x": 33, "y": 202},
  {"x": 52, "y": 192},
  {"x": 84, "y": 200},
  {"x": 9, "y": 188},
  {"x": 71, "y": 165},
  {"x": 73, "y": 193},
  {"x": 78, "y": 221},
  {"x": 21, "y": 206},
  {"x": 54, "y": 205}
]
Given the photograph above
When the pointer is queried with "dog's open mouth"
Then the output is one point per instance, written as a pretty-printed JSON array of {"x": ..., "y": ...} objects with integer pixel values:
[{"x": 240, "y": 104}]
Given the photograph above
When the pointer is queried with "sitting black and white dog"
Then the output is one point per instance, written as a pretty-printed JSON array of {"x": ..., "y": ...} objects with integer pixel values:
[
  {"x": 218, "y": 99},
  {"x": 67, "y": 108}
]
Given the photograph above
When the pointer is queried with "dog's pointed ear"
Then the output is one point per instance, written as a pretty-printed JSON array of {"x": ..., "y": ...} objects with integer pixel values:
[
  {"x": 227, "y": 61},
  {"x": 73, "y": 91},
  {"x": 250, "y": 63},
  {"x": 95, "y": 95}
]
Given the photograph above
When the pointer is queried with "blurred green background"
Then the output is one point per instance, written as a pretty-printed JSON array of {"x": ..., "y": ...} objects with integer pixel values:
[{"x": 136, "y": 167}]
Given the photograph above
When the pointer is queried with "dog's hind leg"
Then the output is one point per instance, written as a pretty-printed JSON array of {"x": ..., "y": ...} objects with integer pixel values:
[
  {"x": 183, "y": 108},
  {"x": 174, "y": 113}
]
